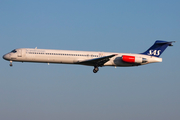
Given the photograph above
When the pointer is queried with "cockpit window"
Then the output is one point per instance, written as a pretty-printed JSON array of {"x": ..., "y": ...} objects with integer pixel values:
[{"x": 14, "y": 51}]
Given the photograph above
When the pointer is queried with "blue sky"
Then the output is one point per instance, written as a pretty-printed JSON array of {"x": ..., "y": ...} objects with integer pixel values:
[{"x": 42, "y": 92}]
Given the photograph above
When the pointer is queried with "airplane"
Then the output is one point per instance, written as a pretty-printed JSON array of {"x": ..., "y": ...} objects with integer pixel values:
[{"x": 95, "y": 59}]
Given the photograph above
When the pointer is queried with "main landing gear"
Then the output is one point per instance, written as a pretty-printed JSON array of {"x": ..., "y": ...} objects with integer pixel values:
[
  {"x": 11, "y": 63},
  {"x": 96, "y": 69}
]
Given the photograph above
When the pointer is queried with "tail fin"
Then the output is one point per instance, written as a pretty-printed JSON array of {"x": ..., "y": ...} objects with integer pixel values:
[{"x": 158, "y": 48}]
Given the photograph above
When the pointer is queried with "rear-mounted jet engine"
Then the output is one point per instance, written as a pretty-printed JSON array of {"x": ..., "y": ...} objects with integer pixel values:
[{"x": 133, "y": 59}]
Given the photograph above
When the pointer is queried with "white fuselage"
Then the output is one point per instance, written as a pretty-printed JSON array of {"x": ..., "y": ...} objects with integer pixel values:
[{"x": 72, "y": 57}]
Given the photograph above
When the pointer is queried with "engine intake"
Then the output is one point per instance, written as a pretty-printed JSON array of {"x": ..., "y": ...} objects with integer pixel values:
[{"x": 133, "y": 59}]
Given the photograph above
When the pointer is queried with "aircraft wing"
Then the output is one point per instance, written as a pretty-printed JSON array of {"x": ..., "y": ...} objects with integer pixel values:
[{"x": 97, "y": 61}]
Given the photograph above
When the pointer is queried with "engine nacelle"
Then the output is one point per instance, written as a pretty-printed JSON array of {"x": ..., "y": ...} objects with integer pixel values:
[{"x": 133, "y": 59}]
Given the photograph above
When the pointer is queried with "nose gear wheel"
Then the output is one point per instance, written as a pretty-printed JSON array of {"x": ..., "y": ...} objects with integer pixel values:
[{"x": 11, "y": 64}]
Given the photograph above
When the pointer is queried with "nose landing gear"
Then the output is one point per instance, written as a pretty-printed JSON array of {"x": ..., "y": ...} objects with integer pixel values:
[{"x": 11, "y": 64}]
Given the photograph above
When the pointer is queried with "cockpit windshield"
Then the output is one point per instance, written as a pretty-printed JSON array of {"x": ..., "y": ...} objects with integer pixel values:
[{"x": 13, "y": 51}]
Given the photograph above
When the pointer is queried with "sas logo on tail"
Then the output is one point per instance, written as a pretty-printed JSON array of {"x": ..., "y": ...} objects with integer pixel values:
[{"x": 154, "y": 52}]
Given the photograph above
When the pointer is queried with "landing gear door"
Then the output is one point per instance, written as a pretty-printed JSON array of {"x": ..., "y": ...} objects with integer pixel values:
[{"x": 19, "y": 54}]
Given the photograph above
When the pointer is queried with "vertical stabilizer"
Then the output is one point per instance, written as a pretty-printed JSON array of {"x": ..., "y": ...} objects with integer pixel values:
[{"x": 157, "y": 48}]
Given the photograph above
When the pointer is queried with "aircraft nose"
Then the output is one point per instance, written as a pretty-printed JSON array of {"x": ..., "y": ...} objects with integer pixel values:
[{"x": 6, "y": 57}]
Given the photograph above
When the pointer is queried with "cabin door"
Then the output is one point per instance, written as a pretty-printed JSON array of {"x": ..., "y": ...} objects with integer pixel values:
[{"x": 19, "y": 53}]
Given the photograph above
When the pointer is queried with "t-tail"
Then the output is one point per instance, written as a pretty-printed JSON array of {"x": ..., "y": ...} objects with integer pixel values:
[{"x": 158, "y": 48}]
